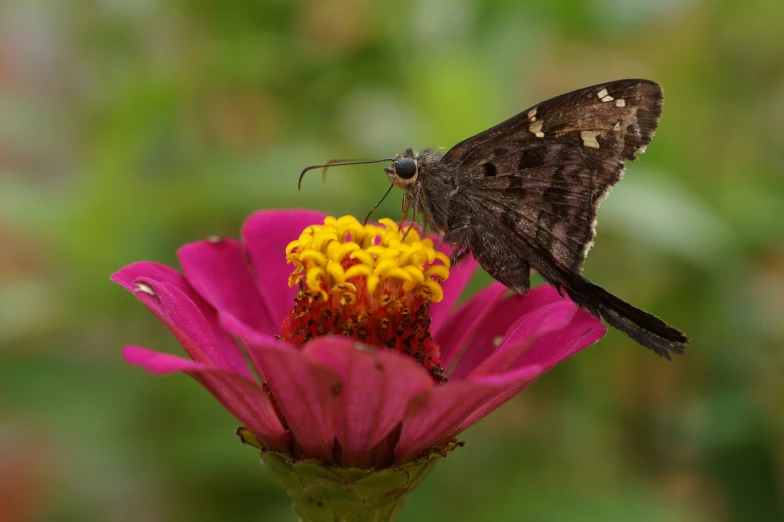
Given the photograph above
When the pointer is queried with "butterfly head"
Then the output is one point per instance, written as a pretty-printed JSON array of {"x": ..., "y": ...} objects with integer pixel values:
[{"x": 404, "y": 170}]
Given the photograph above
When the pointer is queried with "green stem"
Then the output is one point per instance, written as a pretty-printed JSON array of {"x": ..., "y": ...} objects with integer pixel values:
[{"x": 312, "y": 513}]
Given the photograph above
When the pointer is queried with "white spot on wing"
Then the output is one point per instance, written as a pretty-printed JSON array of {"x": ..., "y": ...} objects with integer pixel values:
[
  {"x": 536, "y": 129},
  {"x": 607, "y": 98},
  {"x": 602, "y": 94},
  {"x": 588, "y": 247},
  {"x": 589, "y": 138},
  {"x": 590, "y": 243},
  {"x": 617, "y": 127},
  {"x": 532, "y": 114},
  {"x": 620, "y": 103}
]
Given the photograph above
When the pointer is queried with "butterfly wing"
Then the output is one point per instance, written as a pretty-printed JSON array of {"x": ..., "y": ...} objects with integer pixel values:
[
  {"x": 526, "y": 193},
  {"x": 612, "y": 120},
  {"x": 551, "y": 165}
]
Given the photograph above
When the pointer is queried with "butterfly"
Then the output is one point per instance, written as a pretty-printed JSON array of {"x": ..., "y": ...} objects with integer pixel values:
[{"x": 524, "y": 194}]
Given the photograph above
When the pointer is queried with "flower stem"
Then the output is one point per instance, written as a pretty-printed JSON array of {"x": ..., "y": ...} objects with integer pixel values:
[{"x": 322, "y": 514}]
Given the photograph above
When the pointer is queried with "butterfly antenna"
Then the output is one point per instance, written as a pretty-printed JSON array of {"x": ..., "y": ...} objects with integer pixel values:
[
  {"x": 336, "y": 163},
  {"x": 377, "y": 204}
]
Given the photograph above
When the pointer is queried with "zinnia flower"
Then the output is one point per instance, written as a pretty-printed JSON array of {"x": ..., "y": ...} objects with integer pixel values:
[{"x": 359, "y": 365}]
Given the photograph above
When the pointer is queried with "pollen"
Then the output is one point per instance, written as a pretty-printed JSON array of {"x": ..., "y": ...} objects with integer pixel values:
[
  {"x": 369, "y": 261},
  {"x": 370, "y": 282}
]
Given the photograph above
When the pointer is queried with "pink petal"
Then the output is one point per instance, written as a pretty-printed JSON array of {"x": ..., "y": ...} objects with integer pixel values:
[
  {"x": 540, "y": 338},
  {"x": 243, "y": 398},
  {"x": 159, "y": 363},
  {"x": 377, "y": 387},
  {"x": 183, "y": 319},
  {"x": 459, "y": 277},
  {"x": 547, "y": 319},
  {"x": 249, "y": 337},
  {"x": 307, "y": 393},
  {"x": 583, "y": 331},
  {"x": 219, "y": 272},
  {"x": 265, "y": 235},
  {"x": 503, "y": 314},
  {"x": 462, "y": 325},
  {"x": 551, "y": 351},
  {"x": 126, "y": 277},
  {"x": 434, "y": 415}
]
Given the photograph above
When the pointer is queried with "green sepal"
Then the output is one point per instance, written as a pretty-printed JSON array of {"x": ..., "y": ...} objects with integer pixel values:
[{"x": 322, "y": 493}]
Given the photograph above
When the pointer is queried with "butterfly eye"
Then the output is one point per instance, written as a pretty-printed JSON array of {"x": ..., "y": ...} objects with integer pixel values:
[{"x": 406, "y": 168}]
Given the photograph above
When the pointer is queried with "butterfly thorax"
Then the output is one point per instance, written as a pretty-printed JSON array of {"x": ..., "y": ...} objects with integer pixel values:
[{"x": 434, "y": 187}]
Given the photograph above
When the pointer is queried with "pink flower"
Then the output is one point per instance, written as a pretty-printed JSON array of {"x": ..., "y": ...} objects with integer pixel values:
[{"x": 332, "y": 397}]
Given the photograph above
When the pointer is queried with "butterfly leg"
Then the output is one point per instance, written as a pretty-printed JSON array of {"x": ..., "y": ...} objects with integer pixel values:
[
  {"x": 413, "y": 222},
  {"x": 403, "y": 213},
  {"x": 458, "y": 254}
]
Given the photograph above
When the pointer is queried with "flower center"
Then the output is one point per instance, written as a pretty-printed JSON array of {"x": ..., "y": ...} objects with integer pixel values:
[{"x": 369, "y": 283}]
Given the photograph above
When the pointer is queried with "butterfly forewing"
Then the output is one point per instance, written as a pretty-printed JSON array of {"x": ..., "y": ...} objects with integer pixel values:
[
  {"x": 548, "y": 168},
  {"x": 624, "y": 114}
]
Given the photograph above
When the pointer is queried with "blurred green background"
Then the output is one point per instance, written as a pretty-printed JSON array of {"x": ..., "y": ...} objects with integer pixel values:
[{"x": 129, "y": 127}]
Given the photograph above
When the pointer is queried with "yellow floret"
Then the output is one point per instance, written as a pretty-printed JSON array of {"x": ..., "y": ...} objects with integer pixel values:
[{"x": 322, "y": 255}]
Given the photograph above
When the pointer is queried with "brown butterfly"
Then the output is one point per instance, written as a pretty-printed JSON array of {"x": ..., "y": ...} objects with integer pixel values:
[{"x": 524, "y": 194}]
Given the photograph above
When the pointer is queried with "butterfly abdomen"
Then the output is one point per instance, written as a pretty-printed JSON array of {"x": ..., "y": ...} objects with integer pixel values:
[{"x": 643, "y": 327}]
